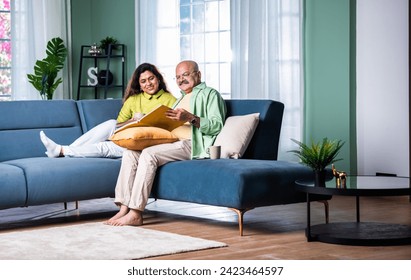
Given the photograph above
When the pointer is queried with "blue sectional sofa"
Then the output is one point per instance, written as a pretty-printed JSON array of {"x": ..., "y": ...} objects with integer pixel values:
[{"x": 28, "y": 177}]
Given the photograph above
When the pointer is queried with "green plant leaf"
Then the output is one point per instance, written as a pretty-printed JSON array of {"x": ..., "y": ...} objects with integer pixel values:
[{"x": 55, "y": 47}]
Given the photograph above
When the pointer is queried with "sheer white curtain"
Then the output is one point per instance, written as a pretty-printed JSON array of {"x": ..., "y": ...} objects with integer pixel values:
[
  {"x": 266, "y": 61},
  {"x": 157, "y": 36},
  {"x": 145, "y": 17},
  {"x": 34, "y": 23}
]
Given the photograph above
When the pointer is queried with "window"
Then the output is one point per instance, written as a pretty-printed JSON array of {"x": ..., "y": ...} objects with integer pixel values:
[
  {"x": 5, "y": 50},
  {"x": 196, "y": 30},
  {"x": 205, "y": 38}
]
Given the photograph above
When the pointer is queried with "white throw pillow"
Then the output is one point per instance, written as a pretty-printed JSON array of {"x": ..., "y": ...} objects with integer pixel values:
[{"x": 236, "y": 135}]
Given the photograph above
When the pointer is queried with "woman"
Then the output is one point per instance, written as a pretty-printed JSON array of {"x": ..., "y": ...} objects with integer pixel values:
[{"x": 145, "y": 91}]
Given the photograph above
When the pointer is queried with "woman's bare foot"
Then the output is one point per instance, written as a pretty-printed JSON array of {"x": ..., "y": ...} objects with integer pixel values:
[
  {"x": 121, "y": 213},
  {"x": 133, "y": 218}
]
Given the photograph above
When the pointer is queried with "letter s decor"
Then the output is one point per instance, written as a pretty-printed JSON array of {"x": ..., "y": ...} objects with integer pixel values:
[{"x": 92, "y": 73}]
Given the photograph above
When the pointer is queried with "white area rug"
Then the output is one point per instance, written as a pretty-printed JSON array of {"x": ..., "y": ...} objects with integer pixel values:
[{"x": 96, "y": 241}]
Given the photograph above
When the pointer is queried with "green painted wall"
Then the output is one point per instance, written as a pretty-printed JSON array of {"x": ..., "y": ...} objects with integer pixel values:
[
  {"x": 328, "y": 91},
  {"x": 91, "y": 21}
]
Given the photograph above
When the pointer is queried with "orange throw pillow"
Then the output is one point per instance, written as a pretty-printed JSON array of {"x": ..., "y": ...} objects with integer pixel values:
[{"x": 138, "y": 138}]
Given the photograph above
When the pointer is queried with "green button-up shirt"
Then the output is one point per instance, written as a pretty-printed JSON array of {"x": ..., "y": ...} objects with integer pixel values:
[{"x": 209, "y": 106}]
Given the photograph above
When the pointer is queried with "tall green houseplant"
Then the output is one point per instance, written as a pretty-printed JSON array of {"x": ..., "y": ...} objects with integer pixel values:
[{"x": 45, "y": 74}]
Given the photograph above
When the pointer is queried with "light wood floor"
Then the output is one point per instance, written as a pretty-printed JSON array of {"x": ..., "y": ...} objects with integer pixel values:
[{"x": 275, "y": 232}]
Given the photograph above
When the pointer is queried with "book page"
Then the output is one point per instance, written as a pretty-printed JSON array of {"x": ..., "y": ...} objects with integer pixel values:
[{"x": 156, "y": 118}]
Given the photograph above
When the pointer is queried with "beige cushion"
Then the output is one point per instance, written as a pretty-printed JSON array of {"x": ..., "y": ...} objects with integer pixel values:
[
  {"x": 236, "y": 135},
  {"x": 138, "y": 138}
]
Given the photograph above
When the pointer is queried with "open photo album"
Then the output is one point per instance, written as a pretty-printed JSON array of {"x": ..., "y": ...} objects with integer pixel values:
[{"x": 156, "y": 118}]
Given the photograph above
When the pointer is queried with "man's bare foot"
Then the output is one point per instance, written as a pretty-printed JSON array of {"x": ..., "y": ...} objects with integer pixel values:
[
  {"x": 121, "y": 213},
  {"x": 133, "y": 218}
]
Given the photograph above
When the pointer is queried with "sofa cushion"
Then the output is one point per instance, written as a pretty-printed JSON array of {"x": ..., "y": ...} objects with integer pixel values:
[
  {"x": 265, "y": 141},
  {"x": 13, "y": 192},
  {"x": 138, "y": 138},
  {"x": 51, "y": 180},
  {"x": 236, "y": 135},
  {"x": 232, "y": 183}
]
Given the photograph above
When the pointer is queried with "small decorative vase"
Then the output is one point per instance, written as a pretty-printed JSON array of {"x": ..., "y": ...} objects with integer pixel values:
[
  {"x": 94, "y": 50},
  {"x": 319, "y": 178}
]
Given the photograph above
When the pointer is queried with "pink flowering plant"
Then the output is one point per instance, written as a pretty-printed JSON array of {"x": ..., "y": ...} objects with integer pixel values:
[{"x": 5, "y": 48}]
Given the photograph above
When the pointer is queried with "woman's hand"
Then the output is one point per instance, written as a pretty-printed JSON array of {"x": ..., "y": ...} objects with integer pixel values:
[{"x": 137, "y": 116}]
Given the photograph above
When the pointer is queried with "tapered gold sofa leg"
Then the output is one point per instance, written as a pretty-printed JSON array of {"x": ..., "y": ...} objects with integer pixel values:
[{"x": 240, "y": 214}]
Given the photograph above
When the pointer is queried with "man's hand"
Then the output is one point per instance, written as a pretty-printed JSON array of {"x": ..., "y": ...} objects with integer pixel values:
[{"x": 179, "y": 114}]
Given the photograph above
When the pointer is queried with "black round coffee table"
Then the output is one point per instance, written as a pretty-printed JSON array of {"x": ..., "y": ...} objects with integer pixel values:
[{"x": 359, "y": 233}]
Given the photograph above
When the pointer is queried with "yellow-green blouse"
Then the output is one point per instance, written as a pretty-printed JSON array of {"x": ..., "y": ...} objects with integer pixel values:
[{"x": 144, "y": 103}]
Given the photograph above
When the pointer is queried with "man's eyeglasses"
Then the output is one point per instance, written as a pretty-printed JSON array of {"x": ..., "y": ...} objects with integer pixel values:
[{"x": 184, "y": 75}]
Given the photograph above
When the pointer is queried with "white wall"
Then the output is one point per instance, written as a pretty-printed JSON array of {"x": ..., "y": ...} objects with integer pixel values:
[{"x": 382, "y": 87}]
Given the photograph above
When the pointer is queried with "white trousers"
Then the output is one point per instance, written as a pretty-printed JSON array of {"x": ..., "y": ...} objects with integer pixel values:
[
  {"x": 94, "y": 143},
  {"x": 138, "y": 170}
]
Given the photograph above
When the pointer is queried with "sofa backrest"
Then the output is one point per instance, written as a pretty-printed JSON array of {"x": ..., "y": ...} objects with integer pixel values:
[
  {"x": 22, "y": 121},
  {"x": 264, "y": 144},
  {"x": 62, "y": 120},
  {"x": 65, "y": 120},
  {"x": 96, "y": 111}
]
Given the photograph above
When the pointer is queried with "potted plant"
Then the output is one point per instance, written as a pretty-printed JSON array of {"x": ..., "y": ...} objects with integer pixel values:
[
  {"x": 318, "y": 156},
  {"x": 106, "y": 42},
  {"x": 44, "y": 78}
]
